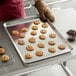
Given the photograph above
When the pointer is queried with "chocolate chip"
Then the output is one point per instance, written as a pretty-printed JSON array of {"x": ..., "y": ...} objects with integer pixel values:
[
  {"x": 71, "y": 33},
  {"x": 71, "y": 39}
]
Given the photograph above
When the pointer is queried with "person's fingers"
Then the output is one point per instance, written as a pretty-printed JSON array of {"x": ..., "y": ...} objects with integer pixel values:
[
  {"x": 42, "y": 17},
  {"x": 50, "y": 16}
]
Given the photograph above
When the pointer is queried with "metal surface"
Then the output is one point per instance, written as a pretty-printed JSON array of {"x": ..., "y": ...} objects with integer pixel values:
[{"x": 21, "y": 49}]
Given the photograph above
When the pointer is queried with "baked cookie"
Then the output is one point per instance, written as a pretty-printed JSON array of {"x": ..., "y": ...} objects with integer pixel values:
[
  {"x": 51, "y": 42},
  {"x": 52, "y": 35},
  {"x": 21, "y": 42},
  {"x": 15, "y": 32},
  {"x": 28, "y": 55},
  {"x": 30, "y": 48},
  {"x": 32, "y": 40},
  {"x": 43, "y": 31},
  {"x": 39, "y": 53},
  {"x": 22, "y": 35},
  {"x": 42, "y": 37},
  {"x": 33, "y": 33},
  {"x": 62, "y": 47},
  {"x": 36, "y": 22},
  {"x": 41, "y": 45},
  {"x": 24, "y": 29},
  {"x": 52, "y": 50},
  {"x": 44, "y": 25},
  {"x": 34, "y": 27},
  {"x": 4, "y": 58},
  {"x": 2, "y": 50}
]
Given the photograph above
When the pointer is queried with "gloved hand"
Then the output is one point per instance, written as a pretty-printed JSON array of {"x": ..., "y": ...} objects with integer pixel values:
[{"x": 44, "y": 12}]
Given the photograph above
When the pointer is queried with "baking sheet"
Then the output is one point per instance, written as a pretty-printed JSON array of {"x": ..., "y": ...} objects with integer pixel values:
[{"x": 21, "y": 49}]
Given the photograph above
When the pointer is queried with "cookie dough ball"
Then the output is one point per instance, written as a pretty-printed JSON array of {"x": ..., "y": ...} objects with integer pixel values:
[
  {"x": 52, "y": 50},
  {"x": 22, "y": 35},
  {"x": 34, "y": 27},
  {"x": 30, "y": 48},
  {"x": 2, "y": 50},
  {"x": 33, "y": 33},
  {"x": 43, "y": 31},
  {"x": 52, "y": 35},
  {"x": 42, "y": 37},
  {"x": 21, "y": 42},
  {"x": 41, "y": 45},
  {"x": 15, "y": 32},
  {"x": 62, "y": 47},
  {"x": 51, "y": 42},
  {"x": 36, "y": 22},
  {"x": 4, "y": 58},
  {"x": 44, "y": 25},
  {"x": 28, "y": 56},
  {"x": 24, "y": 29},
  {"x": 32, "y": 40},
  {"x": 39, "y": 53}
]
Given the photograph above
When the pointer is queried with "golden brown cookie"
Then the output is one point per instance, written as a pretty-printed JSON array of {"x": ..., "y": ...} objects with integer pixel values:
[
  {"x": 21, "y": 42},
  {"x": 2, "y": 50},
  {"x": 39, "y": 53},
  {"x": 62, "y": 47},
  {"x": 28, "y": 55},
  {"x": 51, "y": 42},
  {"x": 5, "y": 58},
  {"x": 15, "y": 32},
  {"x": 24, "y": 29},
  {"x": 42, "y": 37},
  {"x": 44, "y": 25},
  {"x": 41, "y": 45},
  {"x": 36, "y": 22},
  {"x": 52, "y": 35},
  {"x": 43, "y": 31},
  {"x": 22, "y": 35},
  {"x": 33, "y": 33},
  {"x": 30, "y": 48},
  {"x": 34, "y": 27},
  {"x": 52, "y": 50},
  {"x": 32, "y": 40}
]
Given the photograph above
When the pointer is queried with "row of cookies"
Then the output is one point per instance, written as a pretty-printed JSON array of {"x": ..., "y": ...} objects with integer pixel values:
[
  {"x": 40, "y": 52},
  {"x": 3, "y": 57}
]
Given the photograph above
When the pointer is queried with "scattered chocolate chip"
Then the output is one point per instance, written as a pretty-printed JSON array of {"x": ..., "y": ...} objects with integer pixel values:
[
  {"x": 71, "y": 33},
  {"x": 71, "y": 39}
]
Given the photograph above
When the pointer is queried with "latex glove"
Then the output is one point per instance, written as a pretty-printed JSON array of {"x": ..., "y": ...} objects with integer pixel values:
[{"x": 44, "y": 12}]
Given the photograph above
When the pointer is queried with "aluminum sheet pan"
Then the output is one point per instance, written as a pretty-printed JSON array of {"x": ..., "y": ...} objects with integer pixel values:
[{"x": 21, "y": 49}]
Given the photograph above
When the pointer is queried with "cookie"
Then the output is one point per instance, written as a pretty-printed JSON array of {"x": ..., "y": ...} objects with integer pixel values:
[
  {"x": 41, "y": 45},
  {"x": 43, "y": 31},
  {"x": 34, "y": 27},
  {"x": 32, "y": 40},
  {"x": 51, "y": 42},
  {"x": 2, "y": 50},
  {"x": 44, "y": 25},
  {"x": 62, "y": 47},
  {"x": 42, "y": 37},
  {"x": 22, "y": 35},
  {"x": 21, "y": 42},
  {"x": 33, "y": 33},
  {"x": 52, "y": 35},
  {"x": 28, "y": 55},
  {"x": 30, "y": 48},
  {"x": 15, "y": 32},
  {"x": 39, "y": 53},
  {"x": 52, "y": 50},
  {"x": 4, "y": 58},
  {"x": 24, "y": 29},
  {"x": 36, "y": 22}
]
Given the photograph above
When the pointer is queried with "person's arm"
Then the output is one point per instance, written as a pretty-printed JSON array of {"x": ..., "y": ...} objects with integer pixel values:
[{"x": 44, "y": 11}]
